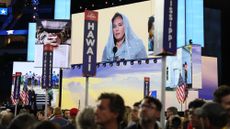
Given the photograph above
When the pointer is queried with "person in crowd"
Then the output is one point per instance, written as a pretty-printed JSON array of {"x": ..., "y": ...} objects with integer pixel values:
[
  {"x": 134, "y": 114},
  {"x": 72, "y": 118},
  {"x": 58, "y": 118},
  {"x": 22, "y": 121},
  {"x": 32, "y": 101},
  {"x": 194, "y": 121},
  {"x": 185, "y": 120},
  {"x": 123, "y": 44},
  {"x": 46, "y": 125},
  {"x": 222, "y": 96},
  {"x": 170, "y": 112},
  {"x": 66, "y": 114},
  {"x": 175, "y": 122},
  {"x": 50, "y": 96},
  {"x": 50, "y": 110},
  {"x": 212, "y": 116},
  {"x": 5, "y": 118},
  {"x": 109, "y": 111},
  {"x": 126, "y": 118},
  {"x": 149, "y": 112},
  {"x": 86, "y": 119},
  {"x": 40, "y": 115}
]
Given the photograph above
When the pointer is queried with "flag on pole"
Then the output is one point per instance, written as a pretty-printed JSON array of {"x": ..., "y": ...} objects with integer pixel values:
[
  {"x": 181, "y": 90},
  {"x": 24, "y": 96},
  {"x": 13, "y": 100}
]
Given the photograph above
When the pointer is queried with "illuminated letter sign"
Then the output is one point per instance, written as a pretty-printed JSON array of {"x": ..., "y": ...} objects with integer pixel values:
[
  {"x": 47, "y": 66},
  {"x": 170, "y": 27},
  {"x": 90, "y": 44},
  {"x": 146, "y": 86},
  {"x": 17, "y": 85}
]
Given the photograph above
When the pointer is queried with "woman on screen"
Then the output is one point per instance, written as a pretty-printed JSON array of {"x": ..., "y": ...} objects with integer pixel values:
[{"x": 123, "y": 44}]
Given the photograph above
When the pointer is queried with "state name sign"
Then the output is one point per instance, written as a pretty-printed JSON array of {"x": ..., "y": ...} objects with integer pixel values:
[
  {"x": 17, "y": 85},
  {"x": 47, "y": 66},
  {"x": 166, "y": 40},
  {"x": 90, "y": 44}
]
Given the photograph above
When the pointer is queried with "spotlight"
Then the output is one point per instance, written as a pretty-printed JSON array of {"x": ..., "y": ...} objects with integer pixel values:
[
  {"x": 118, "y": 63},
  {"x": 131, "y": 62},
  {"x": 139, "y": 61},
  {"x": 155, "y": 60},
  {"x": 104, "y": 64},
  {"x": 111, "y": 64},
  {"x": 73, "y": 66},
  {"x": 78, "y": 66},
  {"x": 147, "y": 61},
  {"x": 98, "y": 65},
  {"x": 124, "y": 62}
]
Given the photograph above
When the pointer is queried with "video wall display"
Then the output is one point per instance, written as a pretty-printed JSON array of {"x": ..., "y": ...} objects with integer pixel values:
[
  {"x": 186, "y": 63},
  {"x": 122, "y": 34},
  {"x": 56, "y": 33},
  {"x": 31, "y": 80},
  {"x": 209, "y": 77},
  {"x": 196, "y": 67},
  {"x": 126, "y": 79},
  {"x": 111, "y": 77}
]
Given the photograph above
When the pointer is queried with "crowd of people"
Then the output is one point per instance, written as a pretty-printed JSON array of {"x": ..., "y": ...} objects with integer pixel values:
[{"x": 111, "y": 112}]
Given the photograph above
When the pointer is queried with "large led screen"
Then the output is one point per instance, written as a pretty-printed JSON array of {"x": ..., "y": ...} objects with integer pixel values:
[
  {"x": 186, "y": 63},
  {"x": 31, "y": 81},
  {"x": 209, "y": 77},
  {"x": 126, "y": 79},
  {"x": 58, "y": 34},
  {"x": 124, "y": 33}
]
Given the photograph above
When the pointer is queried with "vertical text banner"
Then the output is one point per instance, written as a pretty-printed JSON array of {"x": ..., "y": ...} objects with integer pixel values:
[
  {"x": 47, "y": 66},
  {"x": 17, "y": 85},
  {"x": 146, "y": 86},
  {"x": 90, "y": 44},
  {"x": 170, "y": 27}
]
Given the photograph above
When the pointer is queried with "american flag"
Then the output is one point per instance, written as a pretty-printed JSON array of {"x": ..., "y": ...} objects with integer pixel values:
[
  {"x": 13, "y": 100},
  {"x": 181, "y": 90},
  {"x": 24, "y": 96}
]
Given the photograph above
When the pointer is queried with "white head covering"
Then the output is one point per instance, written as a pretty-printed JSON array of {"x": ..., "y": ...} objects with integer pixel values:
[{"x": 134, "y": 48}]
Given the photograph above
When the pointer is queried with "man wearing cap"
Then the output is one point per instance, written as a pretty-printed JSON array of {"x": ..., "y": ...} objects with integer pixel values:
[{"x": 72, "y": 113}]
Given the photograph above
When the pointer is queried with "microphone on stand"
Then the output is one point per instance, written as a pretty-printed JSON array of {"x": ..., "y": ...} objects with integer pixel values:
[{"x": 114, "y": 52}]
